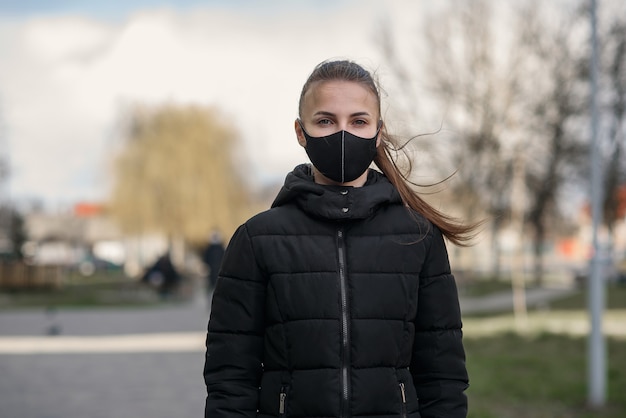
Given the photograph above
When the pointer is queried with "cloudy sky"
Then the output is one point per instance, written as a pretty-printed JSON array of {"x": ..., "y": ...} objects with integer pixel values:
[{"x": 69, "y": 68}]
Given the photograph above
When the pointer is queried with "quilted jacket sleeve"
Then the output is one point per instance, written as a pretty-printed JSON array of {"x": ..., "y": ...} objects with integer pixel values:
[
  {"x": 234, "y": 344},
  {"x": 438, "y": 360}
]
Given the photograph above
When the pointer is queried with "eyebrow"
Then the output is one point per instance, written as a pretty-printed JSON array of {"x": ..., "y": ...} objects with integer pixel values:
[{"x": 324, "y": 113}]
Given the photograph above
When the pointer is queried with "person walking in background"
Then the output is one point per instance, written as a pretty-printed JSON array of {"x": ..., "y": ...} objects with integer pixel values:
[
  {"x": 163, "y": 276},
  {"x": 339, "y": 300},
  {"x": 212, "y": 257}
]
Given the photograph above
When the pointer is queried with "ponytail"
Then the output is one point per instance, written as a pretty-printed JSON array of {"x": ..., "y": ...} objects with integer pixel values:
[{"x": 455, "y": 231}]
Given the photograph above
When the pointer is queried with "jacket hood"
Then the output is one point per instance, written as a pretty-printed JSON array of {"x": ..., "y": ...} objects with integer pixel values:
[{"x": 336, "y": 202}]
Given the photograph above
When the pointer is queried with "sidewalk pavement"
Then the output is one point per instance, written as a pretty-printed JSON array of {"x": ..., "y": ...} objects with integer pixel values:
[
  {"x": 104, "y": 363},
  {"x": 503, "y": 301},
  {"x": 179, "y": 327}
]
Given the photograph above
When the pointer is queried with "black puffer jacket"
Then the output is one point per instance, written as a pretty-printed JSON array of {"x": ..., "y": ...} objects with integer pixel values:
[{"x": 337, "y": 302}]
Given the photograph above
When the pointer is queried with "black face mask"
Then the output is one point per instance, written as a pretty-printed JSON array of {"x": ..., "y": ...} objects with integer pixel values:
[{"x": 342, "y": 156}]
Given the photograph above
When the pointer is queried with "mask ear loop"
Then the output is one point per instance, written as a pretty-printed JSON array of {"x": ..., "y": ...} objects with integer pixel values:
[{"x": 302, "y": 126}]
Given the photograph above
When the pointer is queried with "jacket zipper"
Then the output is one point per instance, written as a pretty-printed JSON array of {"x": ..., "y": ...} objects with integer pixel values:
[
  {"x": 345, "y": 337},
  {"x": 403, "y": 393},
  {"x": 281, "y": 402}
]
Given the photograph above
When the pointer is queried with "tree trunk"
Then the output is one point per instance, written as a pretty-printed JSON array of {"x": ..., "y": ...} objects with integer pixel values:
[{"x": 538, "y": 253}]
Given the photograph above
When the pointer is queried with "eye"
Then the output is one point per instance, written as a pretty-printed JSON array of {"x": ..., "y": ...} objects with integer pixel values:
[
  {"x": 324, "y": 122},
  {"x": 360, "y": 122}
]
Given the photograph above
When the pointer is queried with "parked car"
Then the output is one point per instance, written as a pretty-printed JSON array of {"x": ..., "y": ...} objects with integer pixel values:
[{"x": 89, "y": 265}]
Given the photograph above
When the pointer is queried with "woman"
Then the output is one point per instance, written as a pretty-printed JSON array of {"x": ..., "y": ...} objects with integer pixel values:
[{"x": 339, "y": 301}]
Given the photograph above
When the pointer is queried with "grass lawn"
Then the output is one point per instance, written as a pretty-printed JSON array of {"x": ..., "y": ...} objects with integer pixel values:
[
  {"x": 113, "y": 290},
  {"x": 615, "y": 299},
  {"x": 540, "y": 374},
  {"x": 539, "y": 377},
  {"x": 482, "y": 287}
]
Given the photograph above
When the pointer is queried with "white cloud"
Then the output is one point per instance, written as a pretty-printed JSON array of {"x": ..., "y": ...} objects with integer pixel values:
[{"x": 63, "y": 79}]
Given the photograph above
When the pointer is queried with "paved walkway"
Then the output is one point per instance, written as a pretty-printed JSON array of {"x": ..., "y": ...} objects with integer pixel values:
[
  {"x": 503, "y": 301},
  {"x": 103, "y": 363},
  {"x": 175, "y": 317}
]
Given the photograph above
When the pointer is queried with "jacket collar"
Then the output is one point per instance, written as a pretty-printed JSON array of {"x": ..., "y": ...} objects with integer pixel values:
[{"x": 336, "y": 202}]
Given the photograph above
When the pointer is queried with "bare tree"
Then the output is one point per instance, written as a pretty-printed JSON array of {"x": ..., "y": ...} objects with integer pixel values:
[
  {"x": 509, "y": 77},
  {"x": 615, "y": 74},
  {"x": 556, "y": 106},
  {"x": 473, "y": 73}
]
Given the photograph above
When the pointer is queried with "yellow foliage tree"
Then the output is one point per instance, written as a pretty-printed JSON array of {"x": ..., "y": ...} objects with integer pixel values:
[{"x": 176, "y": 174}]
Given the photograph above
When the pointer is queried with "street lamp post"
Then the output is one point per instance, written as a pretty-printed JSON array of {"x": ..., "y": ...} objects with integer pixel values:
[{"x": 596, "y": 349}]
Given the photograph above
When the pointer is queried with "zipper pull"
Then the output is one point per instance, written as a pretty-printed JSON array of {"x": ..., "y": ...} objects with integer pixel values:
[
  {"x": 281, "y": 405},
  {"x": 402, "y": 392}
]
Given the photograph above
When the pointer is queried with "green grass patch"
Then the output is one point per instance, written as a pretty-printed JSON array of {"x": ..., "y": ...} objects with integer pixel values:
[
  {"x": 540, "y": 377},
  {"x": 481, "y": 287},
  {"x": 615, "y": 299},
  {"x": 77, "y": 291}
]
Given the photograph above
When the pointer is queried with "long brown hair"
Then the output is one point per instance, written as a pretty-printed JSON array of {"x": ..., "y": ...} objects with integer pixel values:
[{"x": 454, "y": 230}]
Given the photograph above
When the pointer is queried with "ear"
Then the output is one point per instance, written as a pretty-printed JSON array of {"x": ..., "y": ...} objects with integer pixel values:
[
  {"x": 299, "y": 133},
  {"x": 380, "y": 133}
]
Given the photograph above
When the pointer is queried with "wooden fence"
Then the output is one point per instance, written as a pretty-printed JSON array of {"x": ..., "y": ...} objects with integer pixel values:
[{"x": 18, "y": 275}]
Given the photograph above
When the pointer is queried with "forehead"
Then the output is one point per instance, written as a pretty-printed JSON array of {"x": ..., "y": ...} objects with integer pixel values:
[{"x": 336, "y": 95}]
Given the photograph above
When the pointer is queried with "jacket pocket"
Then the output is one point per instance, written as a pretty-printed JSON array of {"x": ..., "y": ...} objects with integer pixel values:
[
  {"x": 403, "y": 398},
  {"x": 282, "y": 402}
]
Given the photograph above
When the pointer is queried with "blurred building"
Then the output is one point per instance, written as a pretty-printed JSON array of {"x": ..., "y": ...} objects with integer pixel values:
[{"x": 86, "y": 238}]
